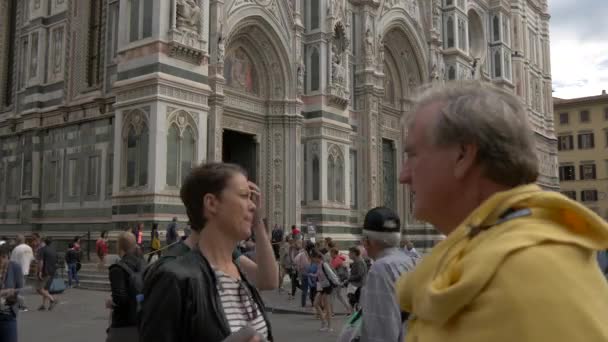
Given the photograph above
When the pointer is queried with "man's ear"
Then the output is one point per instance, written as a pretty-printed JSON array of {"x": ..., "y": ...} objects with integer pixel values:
[{"x": 467, "y": 155}]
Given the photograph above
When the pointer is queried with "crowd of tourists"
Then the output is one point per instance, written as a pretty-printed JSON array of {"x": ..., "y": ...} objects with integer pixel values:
[{"x": 518, "y": 262}]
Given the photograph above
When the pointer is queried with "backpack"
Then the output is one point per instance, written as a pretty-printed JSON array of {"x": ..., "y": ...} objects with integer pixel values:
[
  {"x": 342, "y": 273},
  {"x": 136, "y": 282},
  {"x": 331, "y": 276}
]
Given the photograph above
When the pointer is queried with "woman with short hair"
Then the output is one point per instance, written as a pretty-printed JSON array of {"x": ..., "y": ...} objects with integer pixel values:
[{"x": 204, "y": 296}]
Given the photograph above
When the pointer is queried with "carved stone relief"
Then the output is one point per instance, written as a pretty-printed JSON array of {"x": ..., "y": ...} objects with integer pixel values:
[{"x": 186, "y": 34}]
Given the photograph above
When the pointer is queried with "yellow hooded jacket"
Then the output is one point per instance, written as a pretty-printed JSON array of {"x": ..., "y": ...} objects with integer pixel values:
[{"x": 530, "y": 278}]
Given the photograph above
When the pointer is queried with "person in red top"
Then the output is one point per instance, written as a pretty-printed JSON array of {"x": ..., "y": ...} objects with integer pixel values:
[
  {"x": 101, "y": 247},
  {"x": 295, "y": 232},
  {"x": 76, "y": 243}
]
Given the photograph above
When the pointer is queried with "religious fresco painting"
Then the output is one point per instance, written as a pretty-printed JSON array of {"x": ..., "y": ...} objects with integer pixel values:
[{"x": 239, "y": 72}]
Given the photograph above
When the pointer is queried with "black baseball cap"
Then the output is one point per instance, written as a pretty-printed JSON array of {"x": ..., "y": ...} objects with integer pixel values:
[{"x": 382, "y": 220}]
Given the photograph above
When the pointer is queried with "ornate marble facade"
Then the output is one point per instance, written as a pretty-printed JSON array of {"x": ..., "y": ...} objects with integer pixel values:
[{"x": 106, "y": 104}]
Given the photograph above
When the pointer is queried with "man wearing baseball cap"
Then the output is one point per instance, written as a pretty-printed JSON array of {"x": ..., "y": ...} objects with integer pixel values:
[{"x": 382, "y": 318}]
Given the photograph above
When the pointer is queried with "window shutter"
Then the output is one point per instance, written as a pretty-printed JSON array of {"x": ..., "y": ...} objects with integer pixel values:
[
  {"x": 570, "y": 142},
  {"x": 581, "y": 170},
  {"x": 593, "y": 171},
  {"x": 592, "y": 138},
  {"x": 580, "y": 141}
]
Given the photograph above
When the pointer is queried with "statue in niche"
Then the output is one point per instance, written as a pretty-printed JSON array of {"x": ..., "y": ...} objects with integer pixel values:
[
  {"x": 301, "y": 71},
  {"x": 381, "y": 53},
  {"x": 436, "y": 14},
  {"x": 188, "y": 14},
  {"x": 337, "y": 71},
  {"x": 220, "y": 49},
  {"x": 369, "y": 46}
]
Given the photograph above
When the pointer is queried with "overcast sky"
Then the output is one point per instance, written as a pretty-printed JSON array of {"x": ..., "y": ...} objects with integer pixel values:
[{"x": 579, "y": 47}]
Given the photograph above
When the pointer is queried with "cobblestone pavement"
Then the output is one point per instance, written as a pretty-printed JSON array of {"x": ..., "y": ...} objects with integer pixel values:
[{"x": 81, "y": 317}]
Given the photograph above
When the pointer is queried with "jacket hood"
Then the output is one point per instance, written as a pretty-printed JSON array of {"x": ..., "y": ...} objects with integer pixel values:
[{"x": 458, "y": 268}]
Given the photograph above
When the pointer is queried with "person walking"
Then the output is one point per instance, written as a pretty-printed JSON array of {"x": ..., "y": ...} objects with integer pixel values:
[
  {"x": 23, "y": 255},
  {"x": 101, "y": 248},
  {"x": 154, "y": 243},
  {"x": 356, "y": 280},
  {"x": 125, "y": 284},
  {"x": 72, "y": 259},
  {"x": 11, "y": 280},
  {"x": 47, "y": 266},
  {"x": 518, "y": 263},
  {"x": 171, "y": 234},
  {"x": 382, "y": 319},
  {"x": 302, "y": 263},
  {"x": 328, "y": 281}
]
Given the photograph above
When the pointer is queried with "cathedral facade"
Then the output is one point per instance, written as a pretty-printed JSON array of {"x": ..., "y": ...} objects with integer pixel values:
[{"x": 105, "y": 105}]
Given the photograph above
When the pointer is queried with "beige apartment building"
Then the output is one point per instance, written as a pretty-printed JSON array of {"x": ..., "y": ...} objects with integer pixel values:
[{"x": 582, "y": 130}]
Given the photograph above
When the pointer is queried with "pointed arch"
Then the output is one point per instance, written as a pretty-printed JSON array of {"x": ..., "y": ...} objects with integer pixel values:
[
  {"x": 172, "y": 155},
  {"x": 182, "y": 140},
  {"x": 135, "y": 149},
  {"x": 331, "y": 165}
]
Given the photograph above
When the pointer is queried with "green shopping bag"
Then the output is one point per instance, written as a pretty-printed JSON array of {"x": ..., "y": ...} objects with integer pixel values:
[{"x": 352, "y": 329}]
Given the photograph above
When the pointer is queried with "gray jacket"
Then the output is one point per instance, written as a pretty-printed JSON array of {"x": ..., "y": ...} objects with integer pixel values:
[{"x": 358, "y": 271}]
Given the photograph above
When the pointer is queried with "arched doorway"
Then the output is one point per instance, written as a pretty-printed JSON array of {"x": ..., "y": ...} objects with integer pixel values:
[
  {"x": 257, "y": 133},
  {"x": 403, "y": 73}
]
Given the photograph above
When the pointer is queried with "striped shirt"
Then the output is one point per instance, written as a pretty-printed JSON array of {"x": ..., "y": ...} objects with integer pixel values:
[{"x": 239, "y": 307}]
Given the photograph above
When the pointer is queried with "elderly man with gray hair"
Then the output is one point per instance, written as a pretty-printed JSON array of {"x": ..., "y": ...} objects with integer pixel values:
[
  {"x": 382, "y": 319},
  {"x": 518, "y": 263}
]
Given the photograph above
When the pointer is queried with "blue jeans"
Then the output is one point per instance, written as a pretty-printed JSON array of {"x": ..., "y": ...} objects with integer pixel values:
[
  {"x": 72, "y": 274},
  {"x": 304, "y": 288},
  {"x": 8, "y": 329}
]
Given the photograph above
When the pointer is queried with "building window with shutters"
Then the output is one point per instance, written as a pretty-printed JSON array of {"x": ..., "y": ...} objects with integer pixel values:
[
  {"x": 587, "y": 171},
  {"x": 606, "y": 114},
  {"x": 566, "y": 142},
  {"x": 564, "y": 118},
  {"x": 570, "y": 194},
  {"x": 584, "y": 116},
  {"x": 567, "y": 173},
  {"x": 585, "y": 141},
  {"x": 589, "y": 195}
]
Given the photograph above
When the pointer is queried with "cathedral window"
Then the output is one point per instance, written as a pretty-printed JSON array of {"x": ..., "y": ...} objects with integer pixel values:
[
  {"x": 135, "y": 167},
  {"x": 23, "y": 62},
  {"x": 94, "y": 44},
  {"x": 316, "y": 178},
  {"x": 451, "y": 73},
  {"x": 496, "y": 28},
  {"x": 331, "y": 173},
  {"x": 140, "y": 19},
  {"x": 314, "y": 15},
  {"x": 113, "y": 21},
  {"x": 497, "y": 64},
  {"x": 8, "y": 68},
  {"x": 353, "y": 178},
  {"x": 315, "y": 62},
  {"x": 450, "y": 33},
  {"x": 93, "y": 175},
  {"x": 507, "y": 65},
  {"x": 335, "y": 176},
  {"x": 181, "y": 148},
  {"x": 27, "y": 176},
  {"x": 462, "y": 35},
  {"x": 56, "y": 48},
  {"x": 34, "y": 56}
]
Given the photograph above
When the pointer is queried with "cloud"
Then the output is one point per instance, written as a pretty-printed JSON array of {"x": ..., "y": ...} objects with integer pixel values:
[
  {"x": 581, "y": 19},
  {"x": 579, "y": 47}
]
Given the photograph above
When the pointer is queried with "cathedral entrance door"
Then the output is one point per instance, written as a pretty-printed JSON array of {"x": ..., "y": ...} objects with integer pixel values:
[{"x": 241, "y": 149}]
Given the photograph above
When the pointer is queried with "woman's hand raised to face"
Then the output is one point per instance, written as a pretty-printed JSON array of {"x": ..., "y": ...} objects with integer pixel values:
[{"x": 256, "y": 197}]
